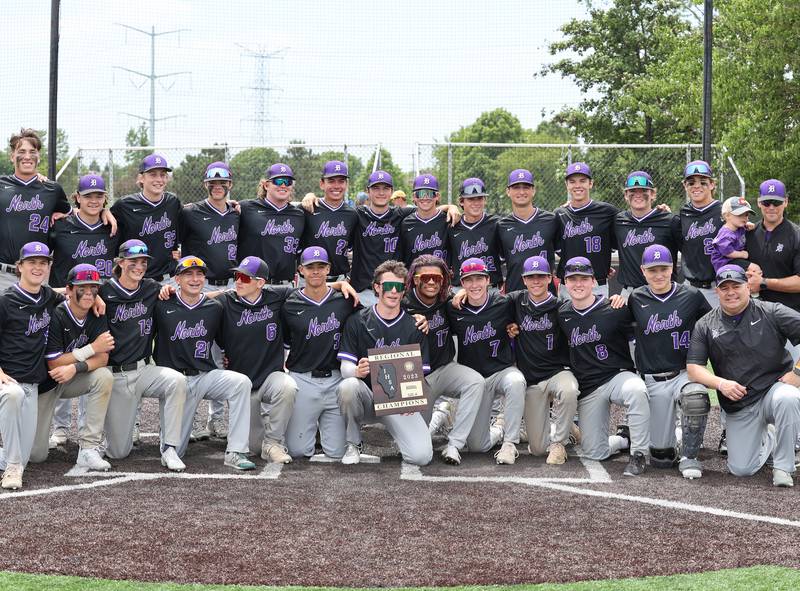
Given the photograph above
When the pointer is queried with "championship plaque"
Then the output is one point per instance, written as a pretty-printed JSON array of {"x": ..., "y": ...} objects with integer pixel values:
[{"x": 398, "y": 384}]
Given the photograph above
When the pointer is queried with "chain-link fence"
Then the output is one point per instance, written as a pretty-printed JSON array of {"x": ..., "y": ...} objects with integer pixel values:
[
  {"x": 119, "y": 166},
  {"x": 453, "y": 162}
]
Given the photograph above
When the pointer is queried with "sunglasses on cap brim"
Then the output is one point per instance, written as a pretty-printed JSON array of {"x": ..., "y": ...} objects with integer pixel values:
[
  {"x": 86, "y": 276},
  {"x": 700, "y": 169},
  {"x": 218, "y": 174},
  {"x": 473, "y": 190},
  {"x": 192, "y": 263},
  {"x": 638, "y": 182}
]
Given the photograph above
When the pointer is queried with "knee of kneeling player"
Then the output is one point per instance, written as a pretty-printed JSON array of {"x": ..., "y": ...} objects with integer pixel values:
[
  {"x": 348, "y": 389},
  {"x": 104, "y": 379},
  {"x": 420, "y": 457}
]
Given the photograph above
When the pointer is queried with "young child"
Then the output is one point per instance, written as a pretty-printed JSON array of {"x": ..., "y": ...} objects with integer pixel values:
[{"x": 728, "y": 246}]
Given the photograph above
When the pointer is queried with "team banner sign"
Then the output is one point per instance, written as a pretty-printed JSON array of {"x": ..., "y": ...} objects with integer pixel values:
[{"x": 398, "y": 384}]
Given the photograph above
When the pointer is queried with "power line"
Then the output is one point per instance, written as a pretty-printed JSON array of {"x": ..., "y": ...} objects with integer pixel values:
[{"x": 261, "y": 89}]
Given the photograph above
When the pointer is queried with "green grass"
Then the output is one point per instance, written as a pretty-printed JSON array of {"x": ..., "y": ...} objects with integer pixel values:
[{"x": 755, "y": 578}]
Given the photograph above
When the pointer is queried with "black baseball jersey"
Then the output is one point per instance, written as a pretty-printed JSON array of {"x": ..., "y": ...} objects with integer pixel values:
[
  {"x": 749, "y": 348},
  {"x": 440, "y": 340},
  {"x": 664, "y": 325},
  {"x": 541, "y": 348},
  {"x": 698, "y": 229},
  {"x": 483, "y": 343},
  {"x": 252, "y": 334},
  {"x": 586, "y": 232},
  {"x": 366, "y": 329},
  {"x": 375, "y": 241},
  {"x": 272, "y": 234},
  {"x": 333, "y": 230},
  {"x": 598, "y": 342},
  {"x": 25, "y": 210},
  {"x": 211, "y": 235},
  {"x": 130, "y": 319},
  {"x": 75, "y": 242},
  {"x": 185, "y": 333},
  {"x": 476, "y": 240},
  {"x": 634, "y": 234},
  {"x": 67, "y": 333},
  {"x": 24, "y": 322},
  {"x": 778, "y": 255},
  {"x": 155, "y": 224},
  {"x": 418, "y": 237},
  {"x": 312, "y": 331},
  {"x": 521, "y": 239}
]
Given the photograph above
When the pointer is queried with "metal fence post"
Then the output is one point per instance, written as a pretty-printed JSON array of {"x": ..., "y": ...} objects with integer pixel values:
[
  {"x": 111, "y": 172},
  {"x": 450, "y": 173}
]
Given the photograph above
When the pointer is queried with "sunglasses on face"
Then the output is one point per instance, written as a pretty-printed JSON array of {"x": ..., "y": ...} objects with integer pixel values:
[
  {"x": 429, "y": 278},
  {"x": 242, "y": 277},
  {"x": 282, "y": 181},
  {"x": 425, "y": 194},
  {"x": 388, "y": 286},
  {"x": 218, "y": 173},
  {"x": 771, "y": 203}
]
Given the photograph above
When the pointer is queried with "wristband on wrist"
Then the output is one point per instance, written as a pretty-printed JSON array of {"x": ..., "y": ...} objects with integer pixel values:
[
  {"x": 719, "y": 386},
  {"x": 81, "y": 367},
  {"x": 796, "y": 369},
  {"x": 83, "y": 353}
]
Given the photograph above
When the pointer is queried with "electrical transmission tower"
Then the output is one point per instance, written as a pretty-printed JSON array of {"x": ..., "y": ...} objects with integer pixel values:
[
  {"x": 261, "y": 89},
  {"x": 152, "y": 77}
]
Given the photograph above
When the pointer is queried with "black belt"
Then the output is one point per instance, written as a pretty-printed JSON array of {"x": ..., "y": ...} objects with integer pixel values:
[
  {"x": 701, "y": 284},
  {"x": 321, "y": 373},
  {"x": 124, "y": 367},
  {"x": 8, "y": 268},
  {"x": 218, "y": 282},
  {"x": 189, "y": 372},
  {"x": 665, "y": 377},
  {"x": 601, "y": 281}
]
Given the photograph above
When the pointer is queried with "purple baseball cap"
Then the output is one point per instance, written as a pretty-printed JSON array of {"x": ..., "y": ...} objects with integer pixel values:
[
  {"x": 91, "y": 183},
  {"x": 380, "y": 176},
  {"x": 426, "y": 181},
  {"x": 730, "y": 273},
  {"x": 736, "y": 206},
  {"x": 472, "y": 187},
  {"x": 639, "y": 179},
  {"x": 474, "y": 266},
  {"x": 154, "y": 161},
  {"x": 314, "y": 254},
  {"x": 253, "y": 267},
  {"x": 520, "y": 176},
  {"x": 656, "y": 255},
  {"x": 697, "y": 168},
  {"x": 190, "y": 262},
  {"x": 578, "y": 266},
  {"x": 32, "y": 250},
  {"x": 334, "y": 168},
  {"x": 133, "y": 249},
  {"x": 83, "y": 274},
  {"x": 772, "y": 189},
  {"x": 578, "y": 168},
  {"x": 218, "y": 171},
  {"x": 535, "y": 266},
  {"x": 279, "y": 170}
]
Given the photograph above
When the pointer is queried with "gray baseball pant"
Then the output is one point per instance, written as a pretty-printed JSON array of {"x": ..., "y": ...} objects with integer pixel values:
[
  {"x": 464, "y": 383},
  {"x": 18, "y": 411},
  {"x": 749, "y": 440},
  {"x": 509, "y": 383},
  {"x": 96, "y": 386},
  {"x": 149, "y": 381},
  {"x": 665, "y": 400},
  {"x": 270, "y": 410},
  {"x": 409, "y": 431},
  {"x": 62, "y": 414},
  {"x": 625, "y": 389},
  {"x": 219, "y": 384},
  {"x": 316, "y": 406},
  {"x": 562, "y": 390},
  {"x": 7, "y": 279}
]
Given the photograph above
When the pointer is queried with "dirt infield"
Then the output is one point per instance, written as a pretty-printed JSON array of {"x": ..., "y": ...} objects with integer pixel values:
[{"x": 389, "y": 524}]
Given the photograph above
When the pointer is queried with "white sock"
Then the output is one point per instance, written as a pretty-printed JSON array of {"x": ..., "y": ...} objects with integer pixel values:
[{"x": 617, "y": 443}]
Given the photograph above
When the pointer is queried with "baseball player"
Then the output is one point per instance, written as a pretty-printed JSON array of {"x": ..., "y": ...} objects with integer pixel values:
[
  {"x": 666, "y": 313},
  {"x": 77, "y": 350},
  {"x": 542, "y": 356},
  {"x": 640, "y": 226},
  {"x": 597, "y": 335},
  {"x": 152, "y": 215},
  {"x": 745, "y": 341},
  {"x": 332, "y": 222},
  {"x": 27, "y": 203},
  {"x": 585, "y": 228},
  {"x": 425, "y": 231},
  {"x": 480, "y": 328},
  {"x": 427, "y": 291},
  {"x": 81, "y": 237},
  {"x": 385, "y": 324},
  {"x": 25, "y": 312},
  {"x": 527, "y": 231},
  {"x": 186, "y": 326},
  {"x": 475, "y": 235},
  {"x": 313, "y": 319},
  {"x": 271, "y": 227},
  {"x": 130, "y": 304}
]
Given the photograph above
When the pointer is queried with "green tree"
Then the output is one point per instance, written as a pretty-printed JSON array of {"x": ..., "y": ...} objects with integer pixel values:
[
  {"x": 386, "y": 163},
  {"x": 248, "y": 168},
  {"x": 136, "y": 137}
]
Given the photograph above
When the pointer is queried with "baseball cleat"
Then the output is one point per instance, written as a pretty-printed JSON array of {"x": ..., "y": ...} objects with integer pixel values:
[
  {"x": 352, "y": 455},
  {"x": 12, "y": 477},
  {"x": 59, "y": 437},
  {"x": 275, "y": 453},
  {"x": 199, "y": 435},
  {"x": 171, "y": 461},
  {"x": 136, "y": 436},
  {"x": 636, "y": 465},
  {"x": 782, "y": 478},
  {"x": 507, "y": 454},
  {"x": 451, "y": 456},
  {"x": 216, "y": 428},
  {"x": 624, "y": 431},
  {"x": 722, "y": 448},
  {"x": 235, "y": 459},
  {"x": 91, "y": 460},
  {"x": 557, "y": 455}
]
